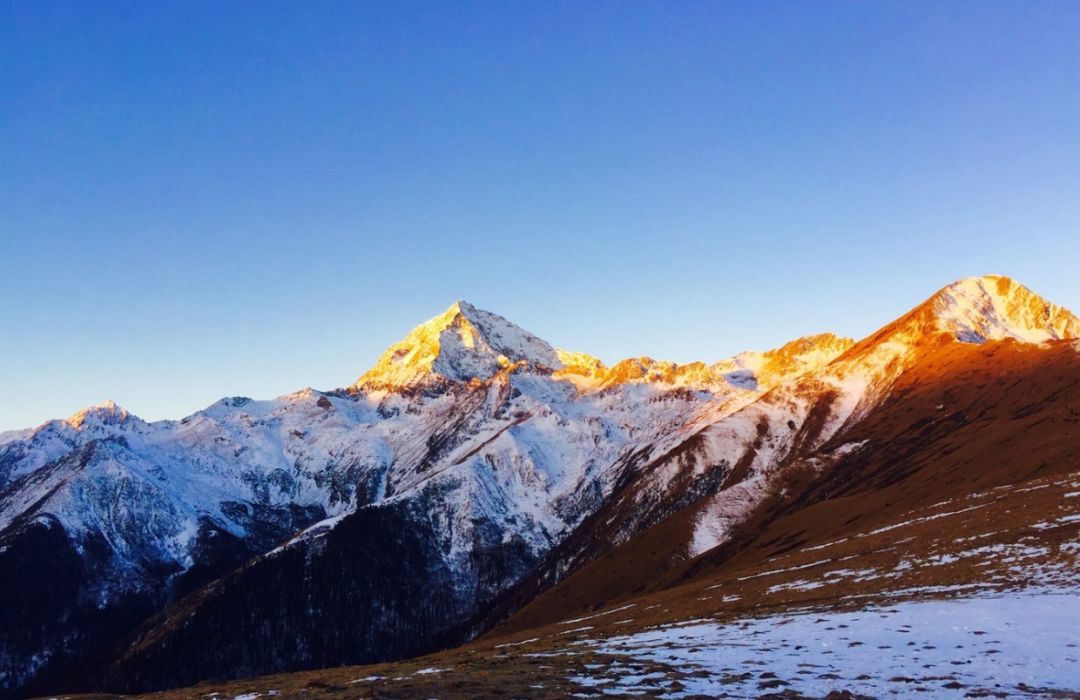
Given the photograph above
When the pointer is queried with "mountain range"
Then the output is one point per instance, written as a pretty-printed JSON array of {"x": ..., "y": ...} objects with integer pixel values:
[{"x": 479, "y": 487}]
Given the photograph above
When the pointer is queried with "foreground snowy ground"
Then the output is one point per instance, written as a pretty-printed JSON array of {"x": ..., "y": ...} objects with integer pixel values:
[
  {"x": 1008, "y": 645},
  {"x": 1016, "y": 645}
]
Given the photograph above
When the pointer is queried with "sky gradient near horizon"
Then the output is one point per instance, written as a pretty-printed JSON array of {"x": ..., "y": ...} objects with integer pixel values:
[{"x": 203, "y": 199}]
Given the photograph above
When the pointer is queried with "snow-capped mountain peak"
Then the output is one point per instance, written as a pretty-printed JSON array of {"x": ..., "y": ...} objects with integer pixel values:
[
  {"x": 105, "y": 413},
  {"x": 971, "y": 310},
  {"x": 460, "y": 344},
  {"x": 993, "y": 307}
]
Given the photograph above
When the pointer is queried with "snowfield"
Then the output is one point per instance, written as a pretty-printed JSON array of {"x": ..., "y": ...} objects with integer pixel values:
[{"x": 1017, "y": 645}]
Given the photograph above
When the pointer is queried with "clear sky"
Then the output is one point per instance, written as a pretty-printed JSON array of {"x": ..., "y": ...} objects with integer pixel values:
[{"x": 201, "y": 199}]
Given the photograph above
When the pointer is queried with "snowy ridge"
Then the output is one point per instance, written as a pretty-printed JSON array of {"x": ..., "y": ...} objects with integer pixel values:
[{"x": 750, "y": 370}]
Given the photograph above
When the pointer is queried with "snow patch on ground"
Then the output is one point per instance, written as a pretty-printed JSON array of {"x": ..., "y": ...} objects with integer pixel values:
[{"x": 1022, "y": 645}]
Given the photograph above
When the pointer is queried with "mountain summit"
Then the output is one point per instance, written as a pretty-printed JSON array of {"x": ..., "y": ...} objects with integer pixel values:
[
  {"x": 105, "y": 413},
  {"x": 994, "y": 307},
  {"x": 990, "y": 307},
  {"x": 972, "y": 310},
  {"x": 460, "y": 344}
]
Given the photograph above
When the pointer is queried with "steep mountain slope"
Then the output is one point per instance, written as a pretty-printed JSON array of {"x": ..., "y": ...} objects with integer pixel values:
[{"x": 476, "y": 472}]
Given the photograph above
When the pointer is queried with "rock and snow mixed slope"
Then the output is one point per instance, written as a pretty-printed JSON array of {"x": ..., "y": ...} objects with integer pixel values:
[{"x": 473, "y": 466}]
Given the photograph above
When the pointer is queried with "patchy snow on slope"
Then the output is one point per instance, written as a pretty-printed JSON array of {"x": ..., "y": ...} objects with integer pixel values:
[
  {"x": 1019, "y": 645},
  {"x": 724, "y": 511}
]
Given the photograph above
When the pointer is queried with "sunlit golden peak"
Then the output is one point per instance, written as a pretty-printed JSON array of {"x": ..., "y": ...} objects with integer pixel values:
[
  {"x": 461, "y": 344},
  {"x": 994, "y": 307},
  {"x": 107, "y": 412}
]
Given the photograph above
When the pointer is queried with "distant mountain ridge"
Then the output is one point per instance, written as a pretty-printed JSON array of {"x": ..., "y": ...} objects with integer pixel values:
[{"x": 473, "y": 468}]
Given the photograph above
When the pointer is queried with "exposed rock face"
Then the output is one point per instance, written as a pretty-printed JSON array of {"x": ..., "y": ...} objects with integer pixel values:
[{"x": 472, "y": 468}]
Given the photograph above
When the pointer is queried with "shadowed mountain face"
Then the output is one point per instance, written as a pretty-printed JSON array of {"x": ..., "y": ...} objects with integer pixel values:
[{"x": 477, "y": 474}]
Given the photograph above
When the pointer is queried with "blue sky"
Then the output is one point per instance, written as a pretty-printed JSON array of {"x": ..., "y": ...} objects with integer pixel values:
[{"x": 210, "y": 199}]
